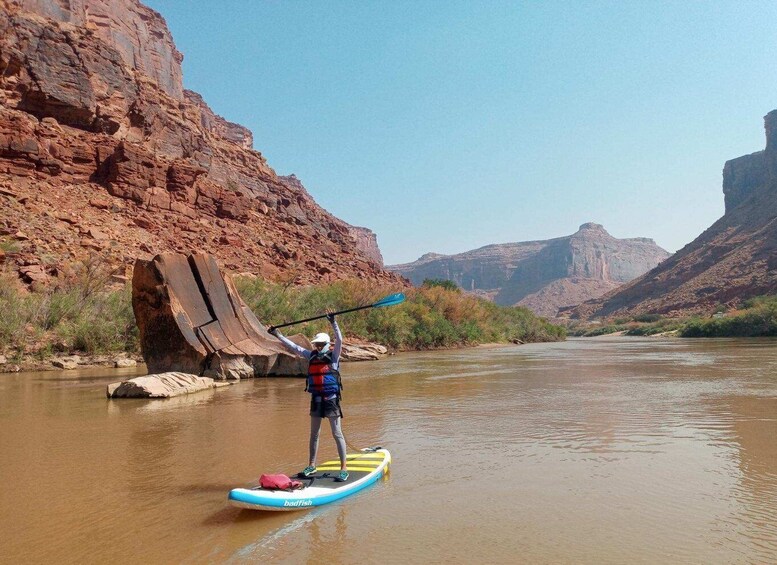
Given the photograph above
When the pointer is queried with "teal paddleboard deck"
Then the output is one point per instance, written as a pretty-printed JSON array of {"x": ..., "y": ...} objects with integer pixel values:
[{"x": 364, "y": 469}]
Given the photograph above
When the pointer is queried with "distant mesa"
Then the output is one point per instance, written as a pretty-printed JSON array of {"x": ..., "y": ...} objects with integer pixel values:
[
  {"x": 429, "y": 257},
  {"x": 734, "y": 259},
  {"x": 543, "y": 275}
]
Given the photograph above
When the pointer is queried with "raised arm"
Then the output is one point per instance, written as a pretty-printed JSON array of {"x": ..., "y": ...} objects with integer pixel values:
[
  {"x": 337, "y": 347},
  {"x": 291, "y": 346}
]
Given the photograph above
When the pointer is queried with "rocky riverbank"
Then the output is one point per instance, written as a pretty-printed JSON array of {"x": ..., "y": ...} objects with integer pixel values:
[
  {"x": 352, "y": 351},
  {"x": 26, "y": 363}
]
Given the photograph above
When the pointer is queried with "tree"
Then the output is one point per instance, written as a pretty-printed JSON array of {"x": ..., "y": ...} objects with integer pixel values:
[{"x": 444, "y": 283}]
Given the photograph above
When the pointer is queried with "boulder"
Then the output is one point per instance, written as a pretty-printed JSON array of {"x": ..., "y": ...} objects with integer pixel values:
[
  {"x": 3, "y": 360},
  {"x": 33, "y": 274},
  {"x": 191, "y": 319},
  {"x": 123, "y": 363},
  {"x": 362, "y": 351},
  {"x": 163, "y": 385},
  {"x": 66, "y": 363}
]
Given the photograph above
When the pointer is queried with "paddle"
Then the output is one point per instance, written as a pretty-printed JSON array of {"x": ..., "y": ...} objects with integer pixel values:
[{"x": 390, "y": 300}]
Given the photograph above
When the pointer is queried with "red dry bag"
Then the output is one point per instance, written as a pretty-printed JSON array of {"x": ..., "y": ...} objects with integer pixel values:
[{"x": 278, "y": 482}]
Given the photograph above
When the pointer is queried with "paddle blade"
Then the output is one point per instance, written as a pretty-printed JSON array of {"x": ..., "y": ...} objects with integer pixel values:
[{"x": 391, "y": 300}]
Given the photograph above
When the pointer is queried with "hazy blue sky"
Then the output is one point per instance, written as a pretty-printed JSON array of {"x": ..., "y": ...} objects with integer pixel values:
[{"x": 445, "y": 126}]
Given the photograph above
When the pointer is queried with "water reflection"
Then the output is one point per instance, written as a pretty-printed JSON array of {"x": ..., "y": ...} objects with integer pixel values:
[{"x": 754, "y": 449}]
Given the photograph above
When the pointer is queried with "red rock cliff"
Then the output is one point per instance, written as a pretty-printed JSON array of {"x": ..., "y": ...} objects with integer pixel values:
[
  {"x": 137, "y": 33},
  {"x": 103, "y": 152}
]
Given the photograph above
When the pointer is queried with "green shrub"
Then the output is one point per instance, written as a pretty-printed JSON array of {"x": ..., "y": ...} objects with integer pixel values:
[
  {"x": 767, "y": 301},
  {"x": 87, "y": 316},
  {"x": 758, "y": 319},
  {"x": 104, "y": 324},
  {"x": 442, "y": 283},
  {"x": 647, "y": 318},
  {"x": 13, "y": 311},
  {"x": 84, "y": 315},
  {"x": 9, "y": 246},
  {"x": 605, "y": 330},
  {"x": 432, "y": 316}
]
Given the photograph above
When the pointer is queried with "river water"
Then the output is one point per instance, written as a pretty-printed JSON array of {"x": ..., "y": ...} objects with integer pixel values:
[{"x": 608, "y": 450}]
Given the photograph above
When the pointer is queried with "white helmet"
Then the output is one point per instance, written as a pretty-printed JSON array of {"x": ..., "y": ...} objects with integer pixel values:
[{"x": 321, "y": 338}]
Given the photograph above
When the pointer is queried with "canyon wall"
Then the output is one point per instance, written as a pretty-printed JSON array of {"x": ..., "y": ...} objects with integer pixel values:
[
  {"x": 136, "y": 32},
  {"x": 103, "y": 153},
  {"x": 734, "y": 259}
]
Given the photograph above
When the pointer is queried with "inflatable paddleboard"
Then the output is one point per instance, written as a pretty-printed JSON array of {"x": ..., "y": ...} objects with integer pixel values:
[{"x": 364, "y": 469}]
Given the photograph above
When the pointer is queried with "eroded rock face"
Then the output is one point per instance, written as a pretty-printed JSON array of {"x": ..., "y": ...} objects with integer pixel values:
[
  {"x": 543, "y": 275},
  {"x": 746, "y": 176},
  {"x": 136, "y": 32},
  {"x": 218, "y": 126},
  {"x": 734, "y": 259},
  {"x": 366, "y": 241},
  {"x": 55, "y": 77},
  {"x": 97, "y": 135},
  {"x": 192, "y": 320}
]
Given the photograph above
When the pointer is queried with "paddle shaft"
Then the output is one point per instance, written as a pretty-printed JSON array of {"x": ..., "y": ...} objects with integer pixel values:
[{"x": 324, "y": 316}]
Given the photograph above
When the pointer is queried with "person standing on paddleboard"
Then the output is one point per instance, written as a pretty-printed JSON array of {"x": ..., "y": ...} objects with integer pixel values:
[{"x": 324, "y": 385}]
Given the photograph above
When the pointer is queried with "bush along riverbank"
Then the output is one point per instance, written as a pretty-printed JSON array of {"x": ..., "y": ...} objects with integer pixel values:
[
  {"x": 91, "y": 317},
  {"x": 645, "y": 324},
  {"x": 85, "y": 315},
  {"x": 435, "y": 315},
  {"x": 757, "y": 317}
]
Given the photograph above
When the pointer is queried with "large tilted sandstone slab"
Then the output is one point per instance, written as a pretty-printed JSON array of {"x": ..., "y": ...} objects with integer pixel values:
[
  {"x": 192, "y": 320},
  {"x": 164, "y": 385}
]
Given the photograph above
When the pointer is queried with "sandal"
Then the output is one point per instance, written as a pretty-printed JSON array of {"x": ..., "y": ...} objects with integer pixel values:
[
  {"x": 342, "y": 477},
  {"x": 307, "y": 471}
]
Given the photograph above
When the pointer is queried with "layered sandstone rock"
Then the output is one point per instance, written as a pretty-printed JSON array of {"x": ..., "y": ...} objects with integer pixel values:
[
  {"x": 366, "y": 242},
  {"x": 138, "y": 34},
  {"x": 543, "y": 275},
  {"x": 362, "y": 351},
  {"x": 192, "y": 320},
  {"x": 103, "y": 153},
  {"x": 218, "y": 126},
  {"x": 163, "y": 385},
  {"x": 734, "y": 259}
]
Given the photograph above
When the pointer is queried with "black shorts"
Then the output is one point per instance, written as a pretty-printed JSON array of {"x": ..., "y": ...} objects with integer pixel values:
[{"x": 325, "y": 408}]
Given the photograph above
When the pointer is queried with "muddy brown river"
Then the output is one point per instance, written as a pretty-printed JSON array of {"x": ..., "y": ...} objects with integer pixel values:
[{"x": 608, "y": 450}]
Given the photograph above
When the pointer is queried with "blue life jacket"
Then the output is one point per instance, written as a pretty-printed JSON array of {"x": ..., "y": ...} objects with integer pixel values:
[{"x": 323, "y": 379}]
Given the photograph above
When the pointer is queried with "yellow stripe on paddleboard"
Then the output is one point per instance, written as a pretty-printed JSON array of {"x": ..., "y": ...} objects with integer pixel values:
[
  {"x": 373, "y": 464},
  {"x": 362, "y": 469},
  {"x": 351, "y": 462},
  {"x": 370, "y": 461}
]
